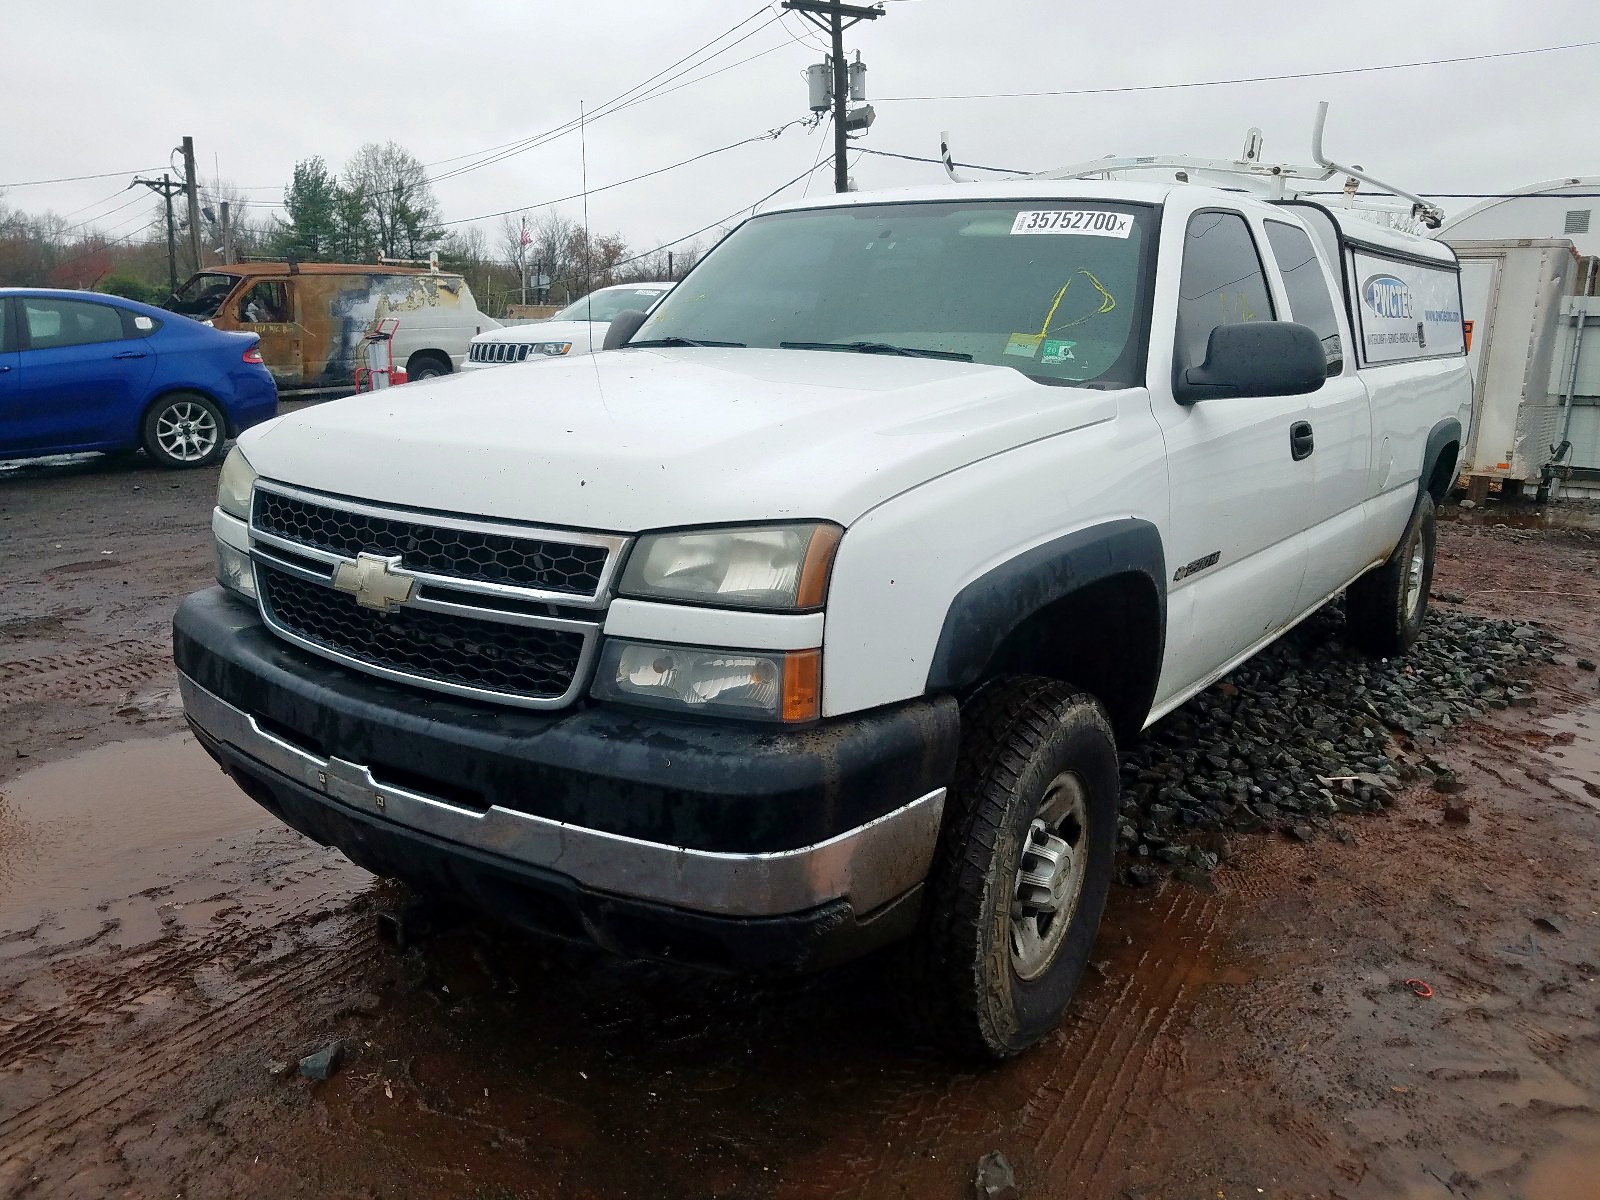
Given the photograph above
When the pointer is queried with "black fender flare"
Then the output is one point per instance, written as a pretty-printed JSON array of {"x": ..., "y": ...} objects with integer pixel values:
[
  {"x": 1441, "y": 435},
  {"x": 986, "y": 611}
]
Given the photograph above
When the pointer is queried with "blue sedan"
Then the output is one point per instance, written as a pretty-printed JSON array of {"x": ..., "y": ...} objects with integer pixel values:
[{"x": 82, "y": 371}]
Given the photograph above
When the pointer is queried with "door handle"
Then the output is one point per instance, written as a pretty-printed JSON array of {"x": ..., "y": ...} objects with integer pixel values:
[
  {"x": 1301, "y": 440},
  {"x": 128, "y": 354}
]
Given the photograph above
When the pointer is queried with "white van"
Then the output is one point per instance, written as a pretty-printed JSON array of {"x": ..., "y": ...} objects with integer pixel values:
[{"x": 311, "y": 317}]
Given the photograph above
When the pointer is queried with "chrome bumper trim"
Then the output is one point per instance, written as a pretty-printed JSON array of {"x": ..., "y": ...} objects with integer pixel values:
[{"x": 868, "y": 866}]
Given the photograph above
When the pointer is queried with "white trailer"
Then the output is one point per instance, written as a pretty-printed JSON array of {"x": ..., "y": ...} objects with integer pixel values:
[{"x": 1513, "y": 292}]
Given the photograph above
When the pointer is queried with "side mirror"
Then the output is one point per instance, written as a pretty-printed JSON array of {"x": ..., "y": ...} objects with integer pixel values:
[
  {"x": 1255, "y": 358},
  {"x": 622, "y": 328}
]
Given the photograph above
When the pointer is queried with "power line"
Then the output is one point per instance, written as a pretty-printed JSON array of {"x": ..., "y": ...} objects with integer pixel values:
[
  {"x": 762, "y": 137},
  {"x": 940, "y": 162},
  {"x": 505, "y": 145},
  {"x": 82, "y": 224},
  {"x": 75, "y": 178},
  {"x": 723, "y": 221},
  {"x": 822, "y": 144},
  {"x": 95, "y": 203},
  {"x": 1200, "y": 83},
  {"x": 617, "y": 103}
]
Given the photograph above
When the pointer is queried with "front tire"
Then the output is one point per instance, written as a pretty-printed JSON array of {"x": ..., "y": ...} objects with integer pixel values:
[
  {"x": 184, "y": 430},
  {"x": 1385, "y": 608},
  {"x": 1022, "y": 870},
  {"x": 426, "y": 366}
]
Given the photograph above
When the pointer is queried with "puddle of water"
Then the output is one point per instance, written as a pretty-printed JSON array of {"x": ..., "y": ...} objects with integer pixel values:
[
  {"x": 1570, "y": 1173},
  {"x": 109, "y": 823},
  {"x": 1575, "y": 754}
]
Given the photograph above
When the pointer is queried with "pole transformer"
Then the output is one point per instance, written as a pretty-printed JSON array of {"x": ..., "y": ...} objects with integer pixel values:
[{"x": 829, "y": 16}]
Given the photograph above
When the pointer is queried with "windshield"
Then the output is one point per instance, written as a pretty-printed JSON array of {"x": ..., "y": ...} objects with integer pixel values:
[
  {"x": 1052, "y": 288},
  {"x": 605, "y": 304},
  {"x": 202, "y": 295}
]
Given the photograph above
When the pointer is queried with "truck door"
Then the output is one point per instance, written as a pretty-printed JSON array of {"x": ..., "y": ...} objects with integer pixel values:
[
  {"x": 1240, "y": 489},
  {"x": 1340, "y": 417},
  {"x": 267, "y": 309}
]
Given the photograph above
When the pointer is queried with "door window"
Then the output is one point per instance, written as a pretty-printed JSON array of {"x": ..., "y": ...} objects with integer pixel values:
[
  {"x": 53, "y": 324},
  {"x": 1310, "y": 302},
  {"x": 1222, "y": 283},
  {"x": 5, "y": 324},
  {"x": 267, "y": 303}
]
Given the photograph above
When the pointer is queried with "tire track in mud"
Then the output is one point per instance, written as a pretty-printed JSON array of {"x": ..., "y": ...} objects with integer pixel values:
[
  {"x": 1087, "y": 1081},
  {"x": 1074, "y": 1117},
  {"x": 96, "y": 994},
  {"x": 115, "y": 667},
  {"x": 36, "y": 1130}
]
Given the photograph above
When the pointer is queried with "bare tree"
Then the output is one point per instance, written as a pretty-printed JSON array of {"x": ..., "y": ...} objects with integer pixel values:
[{"x": 398, "y": 198}]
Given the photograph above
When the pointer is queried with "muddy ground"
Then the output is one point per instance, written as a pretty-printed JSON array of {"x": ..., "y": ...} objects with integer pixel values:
[{"x": 167, "y": 952}]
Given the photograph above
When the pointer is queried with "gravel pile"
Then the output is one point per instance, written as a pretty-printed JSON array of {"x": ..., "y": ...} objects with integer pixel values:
[{"x": 1309, "y": 730}]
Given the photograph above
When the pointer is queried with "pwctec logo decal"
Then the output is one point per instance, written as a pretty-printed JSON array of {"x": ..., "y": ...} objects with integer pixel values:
[{"x": 1387, "y": 296}]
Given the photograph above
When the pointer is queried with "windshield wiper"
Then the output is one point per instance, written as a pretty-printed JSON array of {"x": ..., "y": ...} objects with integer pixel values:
[
  {"x": 674, "y": 340},
  {"x": 878, "y": 348}
]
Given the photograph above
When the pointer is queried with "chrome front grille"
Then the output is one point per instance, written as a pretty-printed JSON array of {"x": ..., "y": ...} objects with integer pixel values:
[
  {"x": 520, "y": 660},
  {"x": 499, "y": 352},
  {"x": 477, "y": 554},
  {"x": 491, "y": 611}
]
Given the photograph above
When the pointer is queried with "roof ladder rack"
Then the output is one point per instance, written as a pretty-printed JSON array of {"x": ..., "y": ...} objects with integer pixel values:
[{"x": 1245, "y": 173}]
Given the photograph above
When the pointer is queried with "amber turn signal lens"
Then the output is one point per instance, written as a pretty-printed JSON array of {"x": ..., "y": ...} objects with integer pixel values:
[
  {"x": 818, "y": 564},
  {"x": 802, "y": 685}
]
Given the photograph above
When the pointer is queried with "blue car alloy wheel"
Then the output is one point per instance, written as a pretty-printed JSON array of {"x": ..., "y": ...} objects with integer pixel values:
[{"x": 184, "y": 430}]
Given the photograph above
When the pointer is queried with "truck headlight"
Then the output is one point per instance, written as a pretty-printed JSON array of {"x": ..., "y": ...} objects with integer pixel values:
[
  {"x": 757, "y": 566},
  {"x": 238, "y": 480},
  {"x": 762, "y": 685}
]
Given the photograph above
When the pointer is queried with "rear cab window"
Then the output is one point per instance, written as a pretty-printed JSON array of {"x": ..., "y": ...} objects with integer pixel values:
[{"x": 1306, "y": 284}]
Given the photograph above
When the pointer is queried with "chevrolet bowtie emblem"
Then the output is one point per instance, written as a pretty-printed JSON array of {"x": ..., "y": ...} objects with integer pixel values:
[{"x": 374, "y": 581}]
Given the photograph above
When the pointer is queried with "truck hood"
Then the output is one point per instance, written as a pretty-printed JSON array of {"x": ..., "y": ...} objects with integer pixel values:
[
  {"x": 576, "y": 332},
  {"x": 641, "y": 439}
]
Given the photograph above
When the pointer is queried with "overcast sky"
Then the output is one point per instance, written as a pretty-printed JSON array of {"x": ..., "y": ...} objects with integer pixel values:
[{"x": 97, "y": 86}]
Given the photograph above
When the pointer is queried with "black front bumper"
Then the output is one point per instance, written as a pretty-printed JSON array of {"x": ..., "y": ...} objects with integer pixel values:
[{"x": 712, "y": 789}]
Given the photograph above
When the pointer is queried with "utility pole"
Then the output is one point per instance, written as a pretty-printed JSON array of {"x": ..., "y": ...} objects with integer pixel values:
[
  {"x": 192, "y": 185},
  {"x": 227, "y": 235},
  {"x": 167, "y": 189},
  {"x": 834, "y": 26},
  {"x": 522, "y": 256}
]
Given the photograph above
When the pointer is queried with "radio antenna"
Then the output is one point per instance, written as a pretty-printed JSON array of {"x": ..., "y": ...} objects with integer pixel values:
[{"x": 588, "y": 246}]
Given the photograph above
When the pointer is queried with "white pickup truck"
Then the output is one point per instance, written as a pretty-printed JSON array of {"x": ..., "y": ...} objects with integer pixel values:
[{"x": 808, "y": 620}]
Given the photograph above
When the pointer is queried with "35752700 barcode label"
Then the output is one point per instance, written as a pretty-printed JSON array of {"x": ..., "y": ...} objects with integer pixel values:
[{"x": 1074, "y": 220}]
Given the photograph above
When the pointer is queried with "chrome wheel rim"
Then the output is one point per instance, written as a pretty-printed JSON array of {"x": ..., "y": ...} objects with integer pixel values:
[
  {"x": 1414, "y": 572},
  {"x": 186, "y": 431},
  {"x": 1049, "y": 879}
]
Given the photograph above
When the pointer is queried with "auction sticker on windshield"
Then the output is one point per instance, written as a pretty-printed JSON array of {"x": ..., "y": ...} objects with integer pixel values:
[{"x": 1071, "y": 220}]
